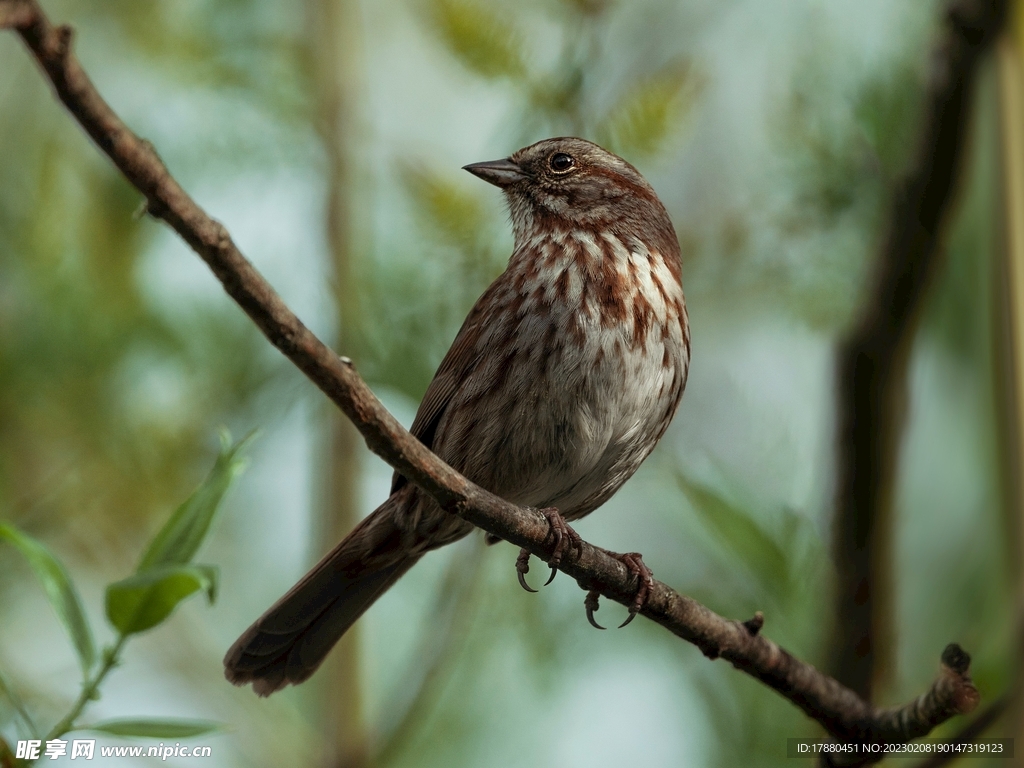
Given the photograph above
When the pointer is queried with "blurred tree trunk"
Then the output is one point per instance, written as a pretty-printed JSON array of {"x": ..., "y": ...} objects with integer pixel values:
[
  {"x": 1010, "y": 303},
  {"x": 334, "y": 36},
  {"x": 873, "y": 359}
]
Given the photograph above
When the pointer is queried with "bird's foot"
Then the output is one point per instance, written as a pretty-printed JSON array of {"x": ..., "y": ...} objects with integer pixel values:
[
  {"x": 635, "y": 564},
  {"x": 565, "y": 539}
]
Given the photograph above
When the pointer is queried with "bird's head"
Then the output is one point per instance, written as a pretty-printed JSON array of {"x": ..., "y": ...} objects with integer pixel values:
[{"x": 576, "y": 184}]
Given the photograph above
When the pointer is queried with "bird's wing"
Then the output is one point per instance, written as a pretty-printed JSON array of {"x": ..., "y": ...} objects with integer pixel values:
[{"x": 462, "y": 357}]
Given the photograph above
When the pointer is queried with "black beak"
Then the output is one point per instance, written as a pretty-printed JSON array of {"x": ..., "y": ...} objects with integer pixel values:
[{"x": 500, "y": 173}]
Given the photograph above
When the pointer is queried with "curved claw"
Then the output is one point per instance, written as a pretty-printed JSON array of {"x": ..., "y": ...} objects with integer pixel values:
[
  {"x": 592, "y": 604},
  {"x": 554, "y": 572},
  {"x": 522, "y": 568},
  {"x": 629, "y": 618},
  {"x": 564, "y": 538},
  {"x": 523, "y": 584}
]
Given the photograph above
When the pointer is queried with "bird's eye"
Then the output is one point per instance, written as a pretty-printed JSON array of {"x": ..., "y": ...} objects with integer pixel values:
[{"x": 561, "y": 162}]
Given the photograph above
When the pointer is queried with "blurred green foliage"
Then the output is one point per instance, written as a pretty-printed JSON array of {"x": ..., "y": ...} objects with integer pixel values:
[
  {"x": 844, "y": 162},
  {"x": 648, "y": 113},
  {"x": 103, "y": 400},
  {"x": 165, "y": 577},
  {"x": 485, "y": 39}
]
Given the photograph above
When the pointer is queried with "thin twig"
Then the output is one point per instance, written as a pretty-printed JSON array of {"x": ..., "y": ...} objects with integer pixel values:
[
  {"x": 971, "y": 732},
  {"x": 90, "y": 689},
  {"x": 842, "y": 713}
]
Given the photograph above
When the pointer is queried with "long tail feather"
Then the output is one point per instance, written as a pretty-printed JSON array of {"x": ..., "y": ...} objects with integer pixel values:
[{"x": 288, "y": 642}]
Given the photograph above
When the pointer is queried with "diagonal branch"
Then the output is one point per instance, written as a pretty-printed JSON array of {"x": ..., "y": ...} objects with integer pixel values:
[{"x": 842, "y": 713}]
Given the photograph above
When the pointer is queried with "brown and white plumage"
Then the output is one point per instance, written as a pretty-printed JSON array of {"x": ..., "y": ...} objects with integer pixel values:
[{"x": 561, "y": 381}]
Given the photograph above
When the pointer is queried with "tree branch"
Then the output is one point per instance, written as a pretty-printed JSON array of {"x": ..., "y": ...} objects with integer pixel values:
[
  {"x": 871, "y": 371},
  {"x": 972, "y": 731},
  {"x": 842, "y": 713}
]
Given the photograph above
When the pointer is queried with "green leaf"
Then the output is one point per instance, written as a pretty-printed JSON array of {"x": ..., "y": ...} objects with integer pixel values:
[
  {"x": 144, "y": 600},
  {"x": 177, "y": 542},
  {"x": 485, "y": 42},
  {"x": 155, "y": 729},
  {"x": 739, "y": 533},
  {"x": 59, "y": 589},
  {"x": 647, "y": 114}
]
